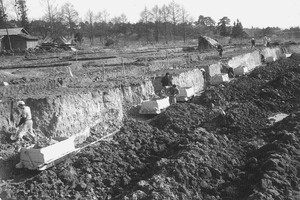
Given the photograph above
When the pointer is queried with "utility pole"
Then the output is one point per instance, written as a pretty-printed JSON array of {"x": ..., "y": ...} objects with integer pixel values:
[{"x": 5, "y": 24}]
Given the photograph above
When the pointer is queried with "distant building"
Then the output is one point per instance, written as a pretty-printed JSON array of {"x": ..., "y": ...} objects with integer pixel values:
[
  {"x": 19, "y": 39},
  {"x": 57, "y": 41},
  {"x": 206, "y": 43}
]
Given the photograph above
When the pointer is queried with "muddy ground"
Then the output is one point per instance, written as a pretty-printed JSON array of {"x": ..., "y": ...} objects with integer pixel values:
[{"x": 191, "y": 151}]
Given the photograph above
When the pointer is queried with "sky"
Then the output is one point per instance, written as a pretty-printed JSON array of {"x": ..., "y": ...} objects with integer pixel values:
[{"x": 252, "y": 13}]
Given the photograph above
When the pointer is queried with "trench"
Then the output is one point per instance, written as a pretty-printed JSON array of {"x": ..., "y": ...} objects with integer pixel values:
[{"x": 69, "y": 111}]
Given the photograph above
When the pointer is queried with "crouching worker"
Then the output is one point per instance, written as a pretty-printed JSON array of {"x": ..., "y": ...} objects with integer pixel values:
[
  {"x": 173, "y": 93},
  {"x": 25, "y": 123}
]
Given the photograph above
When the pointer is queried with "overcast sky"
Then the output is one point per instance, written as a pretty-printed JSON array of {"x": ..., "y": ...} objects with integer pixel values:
[{"x": 256, "y": 13}]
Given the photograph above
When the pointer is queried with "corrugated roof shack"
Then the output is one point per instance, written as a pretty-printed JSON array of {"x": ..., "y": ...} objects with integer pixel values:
[
  {"x": 206, "y": 43},
  {"x": 20, "y": 39}
]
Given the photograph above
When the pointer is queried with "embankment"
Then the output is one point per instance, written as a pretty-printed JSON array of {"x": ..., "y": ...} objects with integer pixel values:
[{"x": 67, "y": 111}]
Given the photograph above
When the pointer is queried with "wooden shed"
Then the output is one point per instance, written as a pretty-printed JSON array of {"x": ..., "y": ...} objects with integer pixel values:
[{"x": 19, "y": 38}]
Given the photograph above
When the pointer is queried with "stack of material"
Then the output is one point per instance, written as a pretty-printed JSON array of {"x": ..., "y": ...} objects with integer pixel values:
[
  {"x": 154, "y": 106},
  {"x": 185, "y": 93},
  {"x": 219, "y": 78},
  {"x": 241, "y": 70}
]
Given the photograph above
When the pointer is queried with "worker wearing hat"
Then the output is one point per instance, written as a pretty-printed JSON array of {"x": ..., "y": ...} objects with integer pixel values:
[{"x": 25, "y": 123}]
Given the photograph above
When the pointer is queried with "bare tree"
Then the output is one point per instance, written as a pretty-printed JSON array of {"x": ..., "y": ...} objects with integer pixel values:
[
  {"x": 22, "y": 13},
  {"x": 90, "y": 18},
  {"x": 175, "y": 14},
  {"x": 3, "y": 18},
  {"x": 101, "y": 27},
  {"x": 165, "y": 16},
  {"x": 70, "y": 17},
  {"x": 98, "y": 17},
  {"x": 11, "y": 9},
  {"x": 145, "y": 18},
  {"x": 105, "y": 16},
  {"x": 156, "y": 17},
  {"x": 184, "y": 20},
  {"x": 50, "y": 12}
]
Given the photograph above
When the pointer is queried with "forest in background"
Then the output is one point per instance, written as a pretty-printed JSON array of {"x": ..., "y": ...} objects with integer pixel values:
[{"x": 167, "y": 23}]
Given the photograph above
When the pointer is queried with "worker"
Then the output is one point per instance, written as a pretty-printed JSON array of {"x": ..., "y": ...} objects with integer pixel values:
[
  {"x": 166, "y": 80},
  {"x": 268, "y": 42},
  {"x": 230, "y": 72},
  {"x": 173, "y": 93},
  {"x": 25, "y": 123},
  {"x": 204, "y": 76},
  {"x": 203, "y": 72},
  {"x": 252, "y": 43},
  {"x": 220, "y": 50},
  {"x": 228, "y": 69},
  {"x": 265, "y": 40}
]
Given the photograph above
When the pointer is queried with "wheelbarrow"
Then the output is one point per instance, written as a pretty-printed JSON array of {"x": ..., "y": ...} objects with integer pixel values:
[{"x": 43, "y": 158}]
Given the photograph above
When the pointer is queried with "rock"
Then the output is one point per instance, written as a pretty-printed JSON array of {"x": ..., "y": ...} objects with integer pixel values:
[
  {"x": 4, "y": 84},
  {"x": 270, "y": 164},
  {"x": 266, "y": 183}
]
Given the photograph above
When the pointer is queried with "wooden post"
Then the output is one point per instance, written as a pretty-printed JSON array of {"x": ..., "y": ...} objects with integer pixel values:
[
  {"x": 103, "y": 71},
  {"x": 124, "y": 74},
  {"x": 167, "y": 56}
]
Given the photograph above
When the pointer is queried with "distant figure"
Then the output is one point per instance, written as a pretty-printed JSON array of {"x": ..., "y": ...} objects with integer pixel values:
[
  {"x": 267, "y": 41},
  {"x": 220, "y": 50},
  {"x": 166, "y": 80},
  {"x": 173, "y": 93},
  {"x": 228, "y": 69},
  {"x": 252, "y": 43}
]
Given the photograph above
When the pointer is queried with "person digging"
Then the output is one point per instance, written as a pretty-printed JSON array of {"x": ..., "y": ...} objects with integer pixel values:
[
  {"x": 25, "y": 124},
  {"x": 166, "y": 83},
  {"x": 173, "y": 93}
]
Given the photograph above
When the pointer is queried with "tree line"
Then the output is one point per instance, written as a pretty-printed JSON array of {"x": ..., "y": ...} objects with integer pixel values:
[{"x": 166, "y": 23}]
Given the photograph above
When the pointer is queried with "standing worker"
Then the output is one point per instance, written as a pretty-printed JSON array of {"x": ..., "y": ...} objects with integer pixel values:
[
  {"x": 166, "y": 80},
  {"x": 173, "y": 93},
  {"x": 268, "y": 42},
  {"x": 220, "y": 50},
  {"x": 204, "y": 76},
  {"x": 25, "y": 123},
  {"x": 265, "y": 40},
  {"x": 252, "y": 42}
]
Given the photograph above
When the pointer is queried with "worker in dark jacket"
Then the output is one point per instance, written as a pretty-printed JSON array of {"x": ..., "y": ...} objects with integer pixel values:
[
  {"x": 166, "y": 80},
  {"x": 220, "y": 50},
  {"x": 252, "y": 42}
]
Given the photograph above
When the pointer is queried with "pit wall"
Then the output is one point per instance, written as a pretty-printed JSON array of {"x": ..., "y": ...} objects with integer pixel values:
[
  {"x": 71, "y": 114},
  {"x": 293, "y": 49},
  {"x": 251, "y": 60},
  {"x": 276, "y": 52},
  {"x": 193, "y": 78}
]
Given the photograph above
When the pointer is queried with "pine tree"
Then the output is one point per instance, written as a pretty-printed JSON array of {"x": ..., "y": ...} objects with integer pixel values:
[
  {"x": 22, "y": 9},
  {"x": 237, "y": 29}
]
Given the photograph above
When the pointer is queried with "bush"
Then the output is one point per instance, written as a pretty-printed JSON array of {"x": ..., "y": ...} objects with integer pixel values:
[{"x": 109, "y": 42}]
